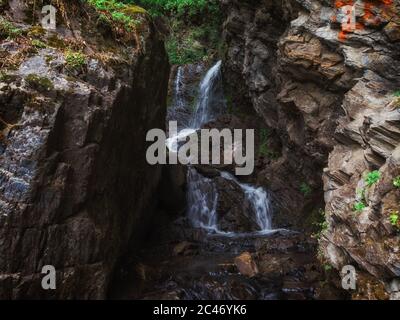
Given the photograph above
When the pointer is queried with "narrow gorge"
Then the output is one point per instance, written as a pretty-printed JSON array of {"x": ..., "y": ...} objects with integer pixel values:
[{"x": 317, "y": 80}]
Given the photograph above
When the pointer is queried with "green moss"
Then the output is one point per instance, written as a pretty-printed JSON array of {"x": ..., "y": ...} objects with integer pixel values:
[
  {"x": 75, "y": 60},
  {"x": 55, "y": 42},
  {"x": 36, "y": 32},
  {"x": 39, "y": 83},
  {"x": 132, "y": 10},
  {"x": 38, "y": 44}
]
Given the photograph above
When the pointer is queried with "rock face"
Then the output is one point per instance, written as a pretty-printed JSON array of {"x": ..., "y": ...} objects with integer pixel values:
[
  {"x": 326, "y": 91},
  {"x": 75, "y": 187}
]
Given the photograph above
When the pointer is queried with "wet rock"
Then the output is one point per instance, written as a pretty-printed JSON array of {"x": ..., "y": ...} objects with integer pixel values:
[
  {"x": 246, "y": 265},
  {"x": 235, "y": 213},
  {"x": 184, "y": 248},
  {"x": 73, "y": 189}
]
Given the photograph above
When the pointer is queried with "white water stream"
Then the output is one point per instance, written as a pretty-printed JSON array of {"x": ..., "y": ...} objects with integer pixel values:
[{"x": 202, "y": 194}]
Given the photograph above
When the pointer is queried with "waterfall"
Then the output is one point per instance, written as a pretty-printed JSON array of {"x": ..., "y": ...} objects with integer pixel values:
[
  {"x": 179, "y": 98},
  {"x": 259, "y": 200},
  {"x": 202, "y": 199},
  {"x": 210, "y": 103},
  {"x": 211, "y": 97},
  {"x": 202, "y": 193}
]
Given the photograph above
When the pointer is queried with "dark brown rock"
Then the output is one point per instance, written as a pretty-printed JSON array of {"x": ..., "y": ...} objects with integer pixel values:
[
  {"x": 328, "y": 99},
  {"x": 75, "y": 187}
]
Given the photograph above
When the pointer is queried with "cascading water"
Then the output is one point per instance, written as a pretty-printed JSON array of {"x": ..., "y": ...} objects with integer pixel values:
[
  {"x": 202, "y": 198},
  {"x": 202, "y": 194},
  {"x": 259, "y": 200},
  {"x": 179, "y": 98},
  {"x": 210, "y": 103},
  {"x": 211, "y": 97}
]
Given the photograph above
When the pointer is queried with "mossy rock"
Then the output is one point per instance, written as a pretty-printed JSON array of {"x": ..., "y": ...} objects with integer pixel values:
[
  {"x": 39, "y": 83},
  {"x": 36, "y": 32},
  {"x": 55, "y": 42},
  {"x": 7, "y": 78},
  {"x": 75, "y": 60},
  {"x": 8, "y": 29}
]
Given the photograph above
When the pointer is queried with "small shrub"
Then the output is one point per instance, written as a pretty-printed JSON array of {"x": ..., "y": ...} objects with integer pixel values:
[
  {"x": 8, "y": 30},
  {"x": 396, "y": 182},
  {"x": 75, "y": 60},
  {"x": 184, "y": 50},
  {"x": 264, "y": 150},
  {"x": 319, "y": 223},
  {"x": 305, "y": 189},
  {"x": 394, "y": 219},
  {"x": 327, "y": 267},
  {"x": 359, "y": 206},
  {"x": 372, "y": 178}
]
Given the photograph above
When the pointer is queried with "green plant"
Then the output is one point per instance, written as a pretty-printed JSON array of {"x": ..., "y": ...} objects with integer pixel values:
[
  {"x": 188, "y": 8},
  {"x": 187, "y": 44},
  {"x": 320, "y": 224},
  {"x": 194, "y": 25},
  {"x": 305, "y": 189},
  {"x": 118, "y": 12},
  {"x": 394, "y": 219},
  {"x": 396, "y": 182},
  {"x": 372, "y": 177},
  {"x": 327, "y": 267},
  {"x": 397, "y": 93},
  {"x": 8, "y": 30},
  {"x": 4, "y": 77},
  {"x": 264, "y": 150},
  {"x": 359, "y": 206},
  {"x": 75, "y": 60}
]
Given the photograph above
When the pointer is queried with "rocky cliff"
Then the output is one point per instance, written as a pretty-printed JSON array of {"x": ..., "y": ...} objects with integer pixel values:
[
  {"x": 324, "y": 78},
  {"x": 75, "y": 105}
]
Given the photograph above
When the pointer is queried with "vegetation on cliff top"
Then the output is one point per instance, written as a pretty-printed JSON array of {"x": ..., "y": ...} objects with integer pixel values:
[{"x": 194, "y": 28}]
